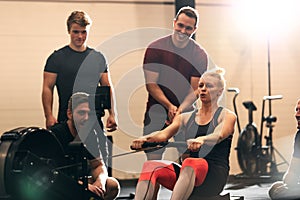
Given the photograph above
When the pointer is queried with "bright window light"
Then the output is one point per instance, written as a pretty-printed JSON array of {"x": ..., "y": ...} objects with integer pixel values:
[{"x": 267, "y": 17}]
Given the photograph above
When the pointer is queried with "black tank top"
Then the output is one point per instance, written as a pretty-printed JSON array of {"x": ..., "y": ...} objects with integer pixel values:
[{"x": 214, "y": 154}]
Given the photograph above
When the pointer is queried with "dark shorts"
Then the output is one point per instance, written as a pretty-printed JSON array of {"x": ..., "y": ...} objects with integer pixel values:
[{"x": 214, "y": 182}]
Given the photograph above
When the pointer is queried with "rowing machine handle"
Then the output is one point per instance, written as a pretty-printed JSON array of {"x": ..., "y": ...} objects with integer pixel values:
[
  {"x": 162, "y": 144},
  {"x": 151, "y": 144}
]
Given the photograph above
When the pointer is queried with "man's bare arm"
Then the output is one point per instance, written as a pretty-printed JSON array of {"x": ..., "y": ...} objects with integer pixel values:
[{"x": 49, "y": 80}]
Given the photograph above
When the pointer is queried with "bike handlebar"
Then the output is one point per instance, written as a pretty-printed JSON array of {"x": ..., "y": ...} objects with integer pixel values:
[
  {"x": 236, "y": 90},
  {"x": 273, "y": 97}
]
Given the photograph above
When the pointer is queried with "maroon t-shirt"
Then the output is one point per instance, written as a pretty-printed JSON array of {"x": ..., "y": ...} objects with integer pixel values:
[{"x": 175, "y": 66}]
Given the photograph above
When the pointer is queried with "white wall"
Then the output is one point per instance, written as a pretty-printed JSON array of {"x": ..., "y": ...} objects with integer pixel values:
[{"x": 32, "y": 30}]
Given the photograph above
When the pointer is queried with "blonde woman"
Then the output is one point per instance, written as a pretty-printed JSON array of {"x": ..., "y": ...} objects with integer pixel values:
[{"x": 208, "y": 133}]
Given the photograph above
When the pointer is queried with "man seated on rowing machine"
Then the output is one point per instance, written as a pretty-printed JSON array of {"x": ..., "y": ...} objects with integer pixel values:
[
  {"x": 289, "y": 187},
  {"x": 78, "y": 116},
  {"x": 205, "y": 165}
]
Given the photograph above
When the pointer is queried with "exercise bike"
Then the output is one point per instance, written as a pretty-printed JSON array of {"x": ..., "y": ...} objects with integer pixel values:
[{"x": 254, "y": 158}]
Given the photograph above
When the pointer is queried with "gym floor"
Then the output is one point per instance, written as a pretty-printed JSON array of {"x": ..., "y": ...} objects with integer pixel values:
[{"x": 239, "y": 188}]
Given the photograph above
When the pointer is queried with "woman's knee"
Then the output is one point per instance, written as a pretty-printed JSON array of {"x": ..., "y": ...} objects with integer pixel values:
[
  {"x": 162, "y": 172},
  {"x": 200, "y": 167}
]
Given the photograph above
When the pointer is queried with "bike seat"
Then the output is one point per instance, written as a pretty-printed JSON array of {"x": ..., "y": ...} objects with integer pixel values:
[{"x": 249, "y": 105}]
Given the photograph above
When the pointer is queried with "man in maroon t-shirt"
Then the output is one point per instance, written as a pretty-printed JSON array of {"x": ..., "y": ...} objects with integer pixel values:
[{"x": 172, "y": 68}]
